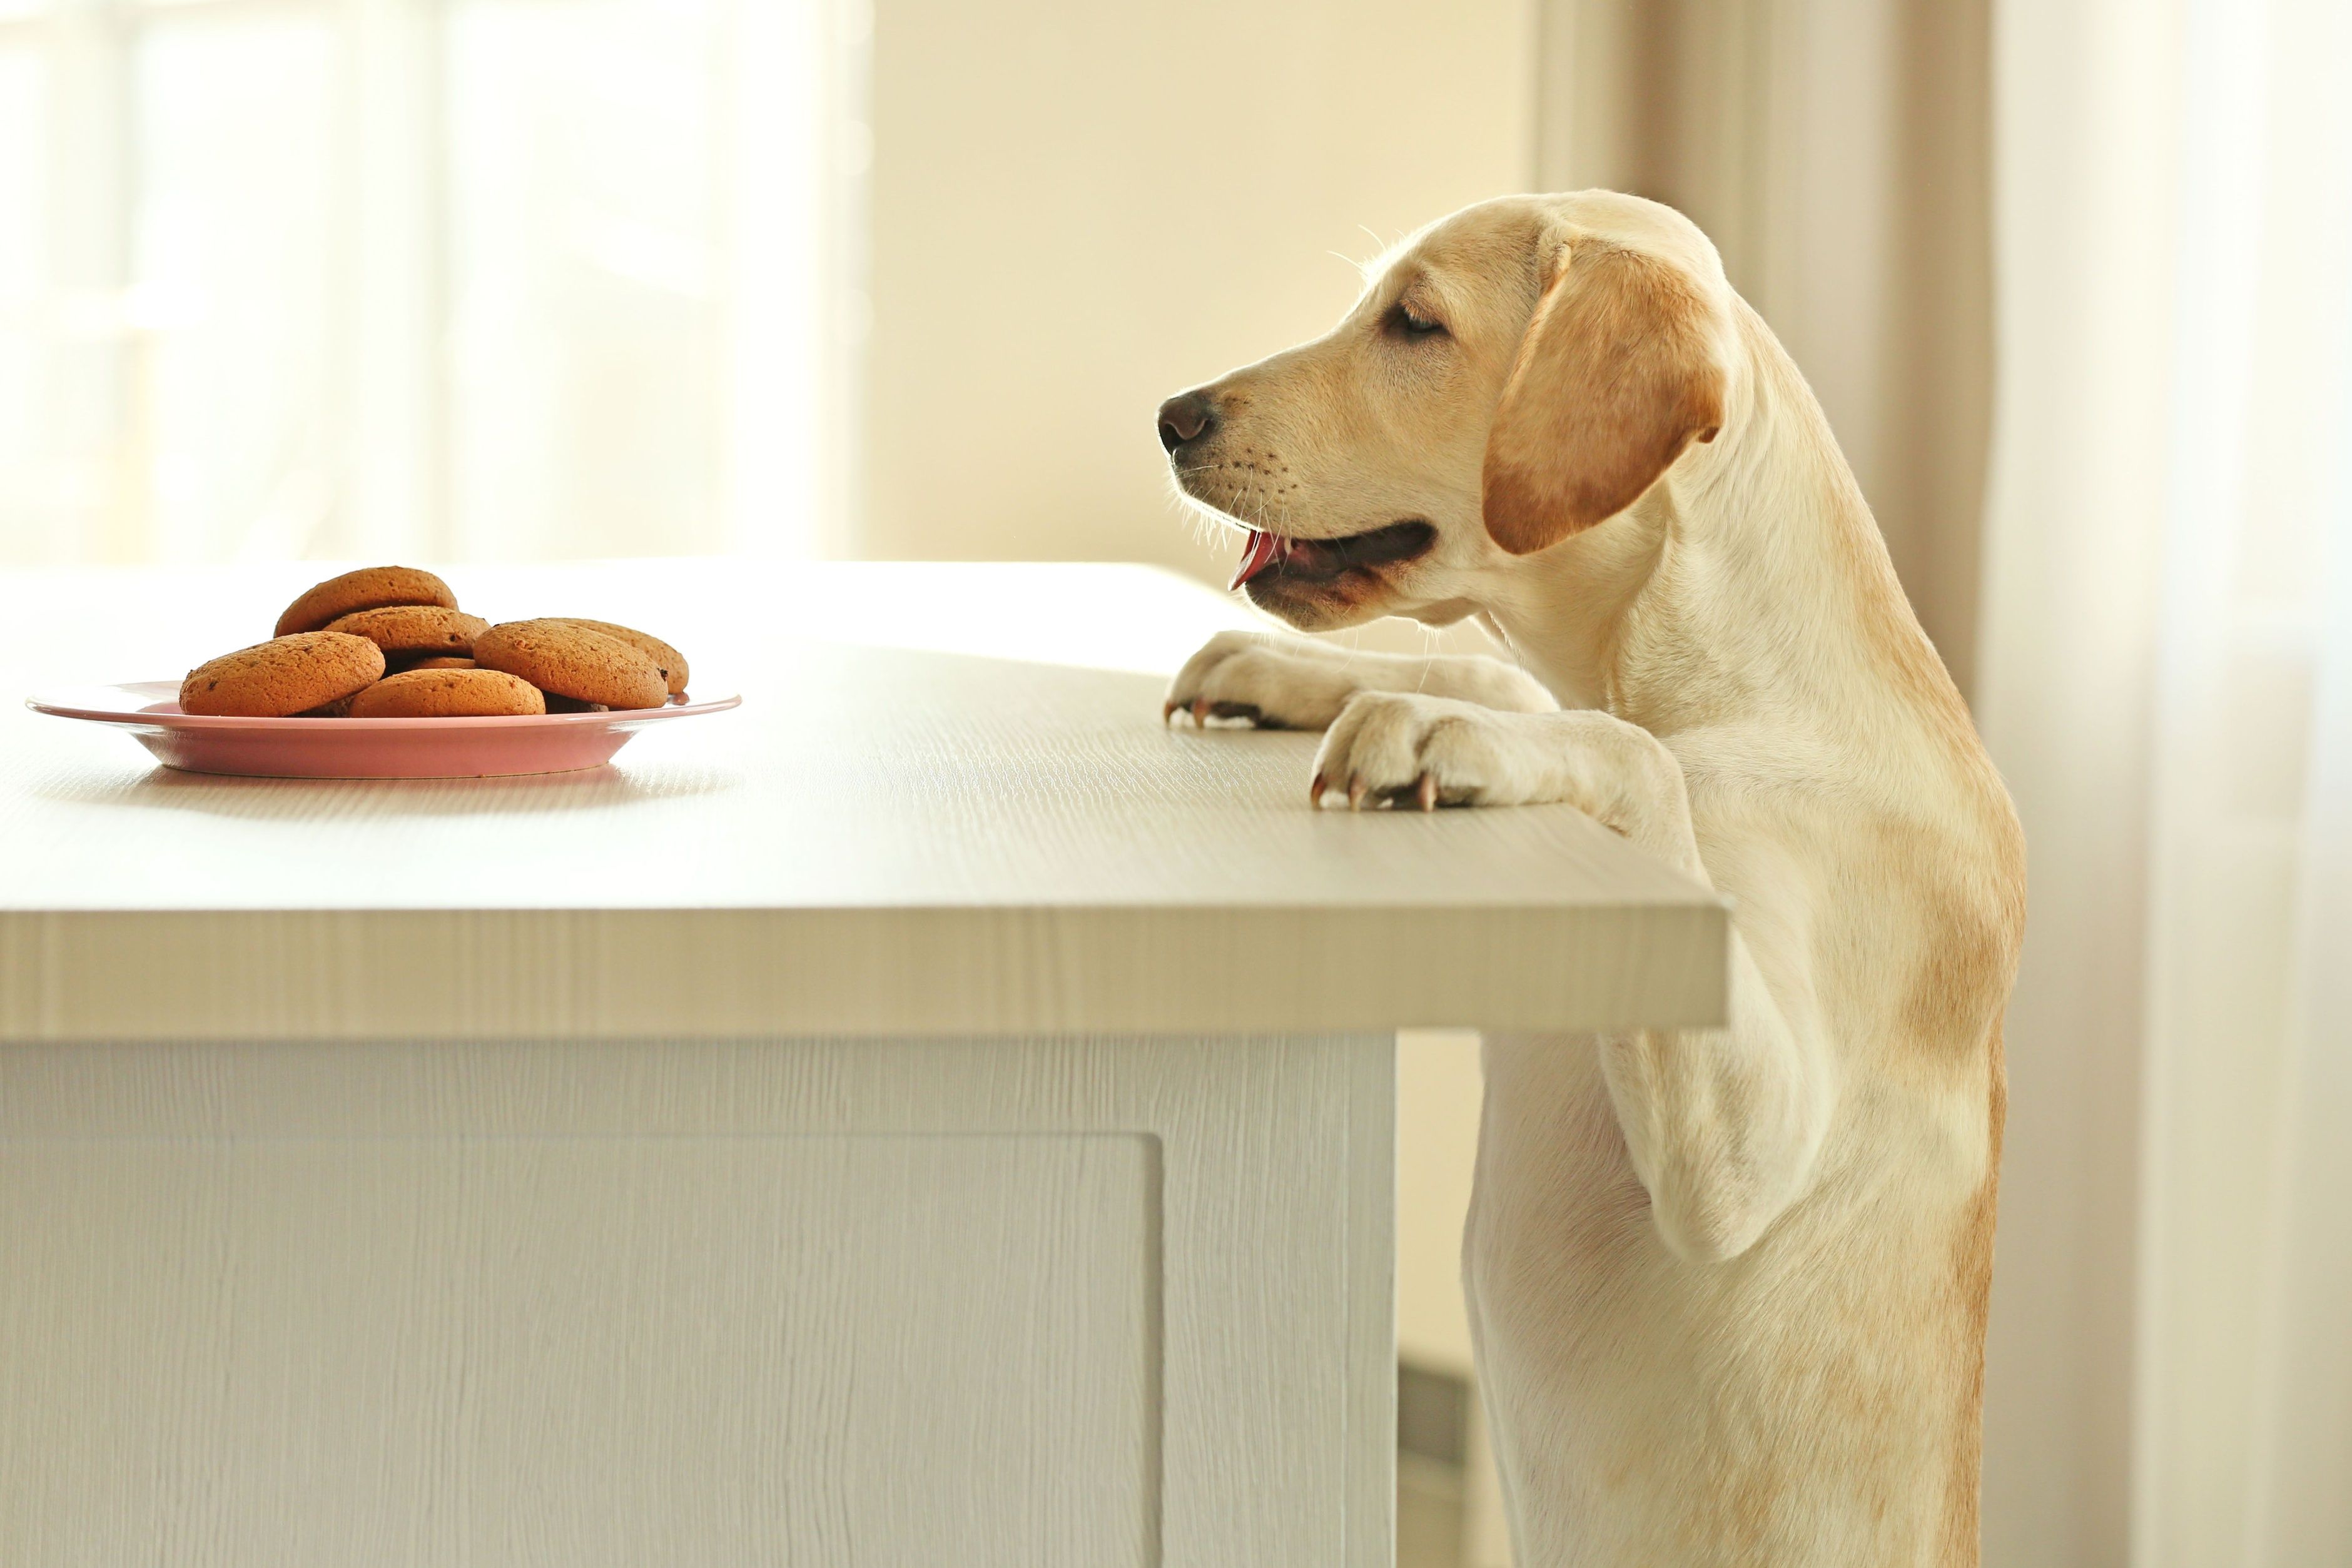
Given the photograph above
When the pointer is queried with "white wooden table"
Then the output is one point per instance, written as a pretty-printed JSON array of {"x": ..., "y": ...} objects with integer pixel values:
[{"x": 934, "y": 1114}]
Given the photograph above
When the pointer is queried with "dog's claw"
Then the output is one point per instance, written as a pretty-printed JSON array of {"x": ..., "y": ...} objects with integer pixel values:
[
  {"x": 1315, "y": 790},
  {"x": 1425, "y": 790},
  {"x": 1355, "y": 792},
  {"x": 1200, "y": 713},
  {"x": 1168, "y": 711}
]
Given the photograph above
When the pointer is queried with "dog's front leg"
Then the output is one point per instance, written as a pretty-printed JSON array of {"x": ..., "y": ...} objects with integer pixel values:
[
  {"x": 1722, "y": 1125},
  {"x": 1287, "y": 683}
]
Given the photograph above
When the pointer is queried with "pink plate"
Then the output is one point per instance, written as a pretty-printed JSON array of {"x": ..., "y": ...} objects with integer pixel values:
[{"x": 360, "y": 747}]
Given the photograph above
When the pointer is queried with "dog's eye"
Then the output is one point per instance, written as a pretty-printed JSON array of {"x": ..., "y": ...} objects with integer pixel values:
[{"x": 1407, "y": 322}]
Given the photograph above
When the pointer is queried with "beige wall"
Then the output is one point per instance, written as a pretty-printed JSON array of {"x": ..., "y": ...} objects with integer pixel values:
[
  {"x": 1438, "y": 1090},
  {"x": 1080, "y": 208}
]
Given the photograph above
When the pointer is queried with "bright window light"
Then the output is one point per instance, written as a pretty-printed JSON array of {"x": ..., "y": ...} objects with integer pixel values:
[{"x": 439, "y": 280}]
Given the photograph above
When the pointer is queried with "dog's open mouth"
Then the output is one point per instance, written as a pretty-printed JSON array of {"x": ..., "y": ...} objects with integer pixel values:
[{"x": 1324, "y": 560}]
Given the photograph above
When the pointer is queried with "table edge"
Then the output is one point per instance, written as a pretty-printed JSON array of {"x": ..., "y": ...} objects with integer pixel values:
[{"x": 473, "y": 974}]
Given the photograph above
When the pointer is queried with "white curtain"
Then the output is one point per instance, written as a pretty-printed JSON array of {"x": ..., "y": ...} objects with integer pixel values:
[
  {"x": 462, "y": 280},
  {"x": 2165, "y": 676}
]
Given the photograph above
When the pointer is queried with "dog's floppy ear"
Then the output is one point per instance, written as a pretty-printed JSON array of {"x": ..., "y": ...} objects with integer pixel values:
[{"x": 1614, "y": 378}]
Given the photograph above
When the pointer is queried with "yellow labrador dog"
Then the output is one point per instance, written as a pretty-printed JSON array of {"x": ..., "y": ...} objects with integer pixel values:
[{"x": 1729, "y": 1286}]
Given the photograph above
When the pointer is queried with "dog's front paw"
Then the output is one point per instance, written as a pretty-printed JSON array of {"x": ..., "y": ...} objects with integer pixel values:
[
  {"x": 1407, "y": 749},
  {"x": 1270, "y": 683}
]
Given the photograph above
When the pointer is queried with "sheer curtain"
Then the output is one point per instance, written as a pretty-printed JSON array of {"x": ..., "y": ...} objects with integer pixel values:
[
  {"x": 2166, "y": 677},
  {"x": 446, "y": 279}
]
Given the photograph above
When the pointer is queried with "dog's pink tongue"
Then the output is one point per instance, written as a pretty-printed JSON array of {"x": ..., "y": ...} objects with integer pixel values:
[{"x": 1263, "y": 548}]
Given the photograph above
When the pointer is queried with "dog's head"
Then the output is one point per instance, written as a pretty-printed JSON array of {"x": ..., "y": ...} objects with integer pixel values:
[{"x": 1512, "y": 375}]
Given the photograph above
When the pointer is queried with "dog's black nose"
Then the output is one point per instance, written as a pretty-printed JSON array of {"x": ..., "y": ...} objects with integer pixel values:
[{"x": 1185, "y": 417}]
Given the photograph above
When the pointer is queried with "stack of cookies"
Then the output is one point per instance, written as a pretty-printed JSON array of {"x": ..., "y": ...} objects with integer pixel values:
[{"x": 389, "y": 642}]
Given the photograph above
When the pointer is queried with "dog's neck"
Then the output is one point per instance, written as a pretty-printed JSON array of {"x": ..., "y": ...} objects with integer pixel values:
[{"x": 1751, "y": 573}]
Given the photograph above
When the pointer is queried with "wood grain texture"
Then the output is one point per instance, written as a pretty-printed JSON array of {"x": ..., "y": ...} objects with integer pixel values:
[
  {"x": 834, "y": 1304},
  {"x": 948, "y": 804}
]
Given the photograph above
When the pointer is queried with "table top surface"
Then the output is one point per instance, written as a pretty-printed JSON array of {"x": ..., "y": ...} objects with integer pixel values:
[{"x": 958, "y": 743}]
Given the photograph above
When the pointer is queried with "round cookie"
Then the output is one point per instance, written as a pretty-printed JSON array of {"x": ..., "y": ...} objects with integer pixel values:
[
  {"x": 570, "y": 661},
  {"x": 556, "y": 704},
  {"x": 366, "y": 589},
  {"x": 672, "y": 662},
  {"x": 421, "y": 629},
  {"x": 402, "y": 666},
  {"x": 283, "y": 677},
  {"x": 448, "y": 694}
]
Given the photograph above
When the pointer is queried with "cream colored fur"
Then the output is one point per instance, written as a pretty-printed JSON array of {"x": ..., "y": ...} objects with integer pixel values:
[{"x": 1728, "y": 1287}]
